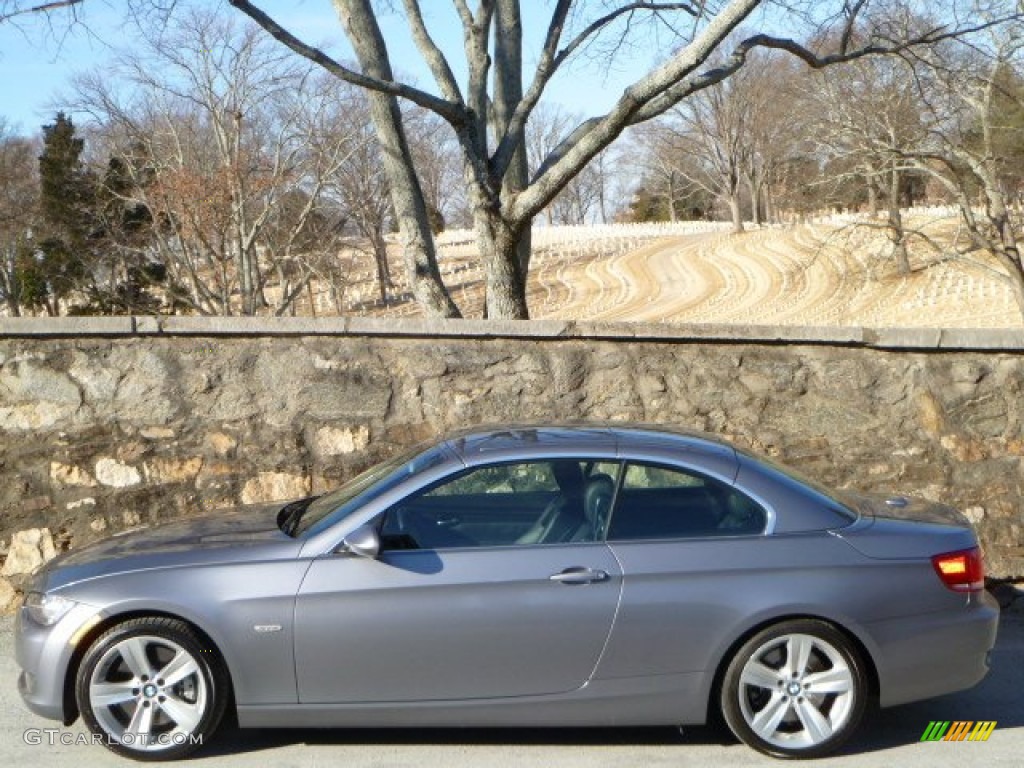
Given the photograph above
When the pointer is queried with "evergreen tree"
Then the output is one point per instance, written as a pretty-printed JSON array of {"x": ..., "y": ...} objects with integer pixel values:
[{"x": 67, "y": 200}]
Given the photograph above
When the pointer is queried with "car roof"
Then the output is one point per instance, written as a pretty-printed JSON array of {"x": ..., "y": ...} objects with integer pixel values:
[{"x": 625, "y": 437}]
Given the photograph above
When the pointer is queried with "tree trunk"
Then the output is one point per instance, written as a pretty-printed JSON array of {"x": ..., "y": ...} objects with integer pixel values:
[
  {"x": 1016, "y": 280},
  {"x": 672, "y": 215},
  {"x": 736, "y": 213},
  {"x": 245, "y": 286},
  {"x": 1009, "y": 250},
  {"x": 499, "y": 243},
  {"x": 771, "y": 215},
  {"x": 872, "y": 196},
  {"x": 380, "y": 258},
  {"x": 754, "y": 189},
  {"x": 11, "y": 284},
  {"x": 897, "y": 236},
  {"x": 418, "y": 248},
  {"x": 508, "y": 93}
]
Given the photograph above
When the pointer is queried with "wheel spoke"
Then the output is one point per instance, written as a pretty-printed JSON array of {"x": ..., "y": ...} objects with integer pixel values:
[
  {"x": 185, "y": 715},
  {"x": 109, "y": 694},
  {"x": 133, "y": 651},
  {"x": 835, "y": 680},
  {"x": 760, "y": 676},
  {"x": 178, "y": 668},
  {"x": 798, "y": 653},
  {"x": 767, "y": 720},
  {"x": 142, "y": 720},
  {"x": 816, "y": 724}
]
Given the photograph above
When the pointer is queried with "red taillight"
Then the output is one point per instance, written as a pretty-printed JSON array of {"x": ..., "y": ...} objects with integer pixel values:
[{"x": 961, "y": 571}]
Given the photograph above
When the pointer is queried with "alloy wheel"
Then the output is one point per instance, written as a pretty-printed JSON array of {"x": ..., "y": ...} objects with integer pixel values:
[
  {"x": 796, "y": 691},
  {"x": 148, "y": 693}
]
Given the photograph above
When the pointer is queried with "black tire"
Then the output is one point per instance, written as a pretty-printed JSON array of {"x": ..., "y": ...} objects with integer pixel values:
[
  {"x": 769, "y": 700},
  {"x": 178, "y": 714}
]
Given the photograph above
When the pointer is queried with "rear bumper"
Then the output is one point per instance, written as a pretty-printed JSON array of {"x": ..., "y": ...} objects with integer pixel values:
[{"x": 930, "y": 655}]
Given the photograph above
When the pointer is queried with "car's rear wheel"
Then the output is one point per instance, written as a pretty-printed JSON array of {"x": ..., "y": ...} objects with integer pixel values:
[
  {"x": 151, "y": 689},
  {"x": 795, "y": 689}
]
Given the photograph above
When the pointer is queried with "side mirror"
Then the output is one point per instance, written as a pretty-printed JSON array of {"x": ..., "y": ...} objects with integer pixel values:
[{"x": 364, "y": 541}]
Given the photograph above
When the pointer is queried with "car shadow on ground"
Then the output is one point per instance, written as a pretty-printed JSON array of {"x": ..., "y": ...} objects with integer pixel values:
[
  {"x": 996, "y": 698},
  {"x": 240, "y": 741}
]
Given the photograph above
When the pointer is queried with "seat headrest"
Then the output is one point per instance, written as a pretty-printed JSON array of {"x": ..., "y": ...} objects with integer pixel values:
[
  {"x": 597, "y": 500},
  {"x": 568, "y": 475}
]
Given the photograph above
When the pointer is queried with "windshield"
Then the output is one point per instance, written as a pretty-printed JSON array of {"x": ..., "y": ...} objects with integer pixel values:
[{"x": 379, "y": 479}]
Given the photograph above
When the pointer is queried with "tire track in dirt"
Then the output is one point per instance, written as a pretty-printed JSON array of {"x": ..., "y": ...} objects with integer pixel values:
[
  {"x": 663, "y": 280},
  {"x": 799, "y": 276}
]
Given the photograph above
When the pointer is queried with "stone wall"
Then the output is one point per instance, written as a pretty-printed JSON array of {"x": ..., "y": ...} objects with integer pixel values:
[{"x": 109, "y": 423}]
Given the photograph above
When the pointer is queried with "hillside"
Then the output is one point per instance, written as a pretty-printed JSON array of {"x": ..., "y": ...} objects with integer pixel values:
[{"x": 831, "y": 272}]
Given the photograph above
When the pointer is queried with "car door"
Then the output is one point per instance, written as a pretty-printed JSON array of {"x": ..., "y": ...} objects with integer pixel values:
[
  {"x": 695, "y": 560},
  {"x": 455, "y": 606}
]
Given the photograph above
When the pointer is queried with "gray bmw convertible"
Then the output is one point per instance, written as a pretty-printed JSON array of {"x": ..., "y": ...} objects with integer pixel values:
[{"x": 519, "y": 576}]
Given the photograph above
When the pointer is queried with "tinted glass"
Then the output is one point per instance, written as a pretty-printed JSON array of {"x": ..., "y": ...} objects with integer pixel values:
[
  {"x": 838, "y": 501},
  {"x": 554, "y": 501},
  {"x": 363, "y": 488},
  {"x": 658, "y": 502}
]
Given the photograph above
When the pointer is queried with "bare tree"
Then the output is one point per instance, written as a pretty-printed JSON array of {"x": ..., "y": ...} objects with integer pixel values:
[
  {"x": 584, "y": 198},
  {"x": 438, "y": 163},
  {"x": 775, "y": 136},
  {"x": 660, "y": 166},
  {"x": 709, "y": 136},
  {"x": 968, "y": 92},
  {"x": 867, "y": 117},
  {"x": 361, "y": 187},
  {"x": 19, "y": 191},
  {"x": 490, "y": 111},
  {"x": 231, "y": 144}
]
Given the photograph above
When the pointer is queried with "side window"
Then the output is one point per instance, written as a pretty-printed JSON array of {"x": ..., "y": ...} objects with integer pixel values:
[
  {"x": 531, "y": 477},
  {"x": 553, "y": 501},
  {"x": 659, "y": 502}
]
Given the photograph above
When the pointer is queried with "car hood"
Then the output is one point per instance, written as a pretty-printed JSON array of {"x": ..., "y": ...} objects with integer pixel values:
[
  {"x": 244, "y": 534},
  {"x": 897, "y": 507}
]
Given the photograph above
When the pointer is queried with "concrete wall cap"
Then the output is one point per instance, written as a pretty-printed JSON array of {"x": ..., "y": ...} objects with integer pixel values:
[{"x": 1005, "y": 339}]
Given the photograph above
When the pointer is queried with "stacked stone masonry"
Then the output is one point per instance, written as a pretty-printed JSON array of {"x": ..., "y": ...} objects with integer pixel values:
[{"x": 106, "y": 424}]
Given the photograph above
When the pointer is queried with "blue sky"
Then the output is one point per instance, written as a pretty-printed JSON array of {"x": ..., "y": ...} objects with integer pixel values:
[{"x": 36, "y": 60}]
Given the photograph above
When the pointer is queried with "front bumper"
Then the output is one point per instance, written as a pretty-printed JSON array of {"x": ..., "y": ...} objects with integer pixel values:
[
  {"x": 936, "y": 654},
  {"x": 43, "y": 654}
]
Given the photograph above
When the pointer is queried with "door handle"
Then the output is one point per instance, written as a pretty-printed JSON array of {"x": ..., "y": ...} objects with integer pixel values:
[{"x": 579, "y": 575}]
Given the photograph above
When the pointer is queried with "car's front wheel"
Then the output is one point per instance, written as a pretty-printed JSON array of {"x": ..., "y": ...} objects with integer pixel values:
[
  {"x": 150, "y": 689},
  {"x": 795, "y": 689}
]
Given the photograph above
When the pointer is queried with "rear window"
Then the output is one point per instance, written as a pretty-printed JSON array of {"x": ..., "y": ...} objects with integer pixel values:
[
  {"x": 842, "y": 504},
  {"x": 659, "y": 502}
]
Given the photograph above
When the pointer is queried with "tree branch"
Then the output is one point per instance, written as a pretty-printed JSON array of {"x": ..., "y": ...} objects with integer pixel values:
[
  {"x": 551, "y": 59},
  {"x": 594, "y": 134},
  {"x": 432, "y": 54},
  {"x": 43, "y": 8},
  {"x": 448, "y": 110},
  {"x": 598, "y": 24}
]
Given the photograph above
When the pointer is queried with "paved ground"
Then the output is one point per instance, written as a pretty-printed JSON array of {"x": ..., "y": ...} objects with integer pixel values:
[{"x": 887, "y": 738}]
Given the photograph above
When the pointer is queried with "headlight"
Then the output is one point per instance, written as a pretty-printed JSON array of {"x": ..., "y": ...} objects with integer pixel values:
[{"x": 47, "y": 609}]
